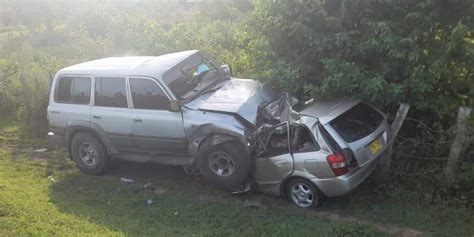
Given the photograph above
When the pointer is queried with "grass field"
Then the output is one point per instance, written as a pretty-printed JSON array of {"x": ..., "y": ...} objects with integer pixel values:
[
  {"x": 43, "y": 194},
  {"x": 78, "y": 204}
]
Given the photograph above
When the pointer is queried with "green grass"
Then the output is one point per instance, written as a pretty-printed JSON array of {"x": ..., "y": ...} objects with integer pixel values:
[
  {"x": 402, "y": 207},
  {"x": 8, "y": 132},
  {"x": 77, "y": 204},
  {"x": 26, "y": 207}
]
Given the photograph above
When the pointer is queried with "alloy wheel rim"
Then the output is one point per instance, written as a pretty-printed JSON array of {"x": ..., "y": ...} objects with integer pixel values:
[
  {"x": 221, "y": 164},
  {"x": 302, "y": 195},
  {"x": 88, "y": 154}
]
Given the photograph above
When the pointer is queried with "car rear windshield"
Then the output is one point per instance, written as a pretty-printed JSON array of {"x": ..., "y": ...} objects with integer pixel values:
[{"x": 357, "y": 122}]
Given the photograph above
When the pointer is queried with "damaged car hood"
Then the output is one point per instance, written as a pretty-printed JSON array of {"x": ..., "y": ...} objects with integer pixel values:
[{"x": 240, "y": 97}]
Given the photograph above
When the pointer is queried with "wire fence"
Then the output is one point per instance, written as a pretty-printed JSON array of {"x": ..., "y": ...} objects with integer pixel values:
[{"x": 429, "y": 145}]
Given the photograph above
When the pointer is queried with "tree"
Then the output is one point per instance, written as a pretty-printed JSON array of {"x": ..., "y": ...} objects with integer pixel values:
[{"x": 384, "y": 51}]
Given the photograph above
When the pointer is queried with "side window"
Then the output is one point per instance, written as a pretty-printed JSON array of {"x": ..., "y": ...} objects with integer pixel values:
[
  {"x": 73, "y": 90},
  {"x": 302, "y": 140},
  {"x": 277, "y": 141},
  {"x": 146, "y": 94},
  {"x": 110, "y": 92}
]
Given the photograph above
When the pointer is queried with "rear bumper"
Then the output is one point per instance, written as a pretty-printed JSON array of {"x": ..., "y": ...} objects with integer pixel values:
[
  {"x": 338, "y": 186},
  {"x": 56, "y": 140}
]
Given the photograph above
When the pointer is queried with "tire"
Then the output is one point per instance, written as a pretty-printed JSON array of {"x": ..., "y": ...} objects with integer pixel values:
[
  {"x": 303, "y": 193},
  {"x": 89, "y": 153},
  {"x": 227, "y": 165}
]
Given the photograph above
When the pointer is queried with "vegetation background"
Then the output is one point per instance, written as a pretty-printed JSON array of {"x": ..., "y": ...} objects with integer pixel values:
[{"x": 420, "y": 52}]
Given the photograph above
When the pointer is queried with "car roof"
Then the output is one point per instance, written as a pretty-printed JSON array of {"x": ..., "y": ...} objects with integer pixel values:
[
  {"x": 327, "y": 110},
  {"x": 154, "y": 66}
]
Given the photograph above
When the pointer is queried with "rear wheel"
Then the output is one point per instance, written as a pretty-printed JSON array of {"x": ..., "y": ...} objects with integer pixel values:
[
  {"x": 302, "y": 193},
  {"x": 89, "y": 154},
  {"x": 226, "y": 165}
]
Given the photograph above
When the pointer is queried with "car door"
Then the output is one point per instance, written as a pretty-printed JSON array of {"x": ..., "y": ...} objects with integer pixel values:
[
  {"x": 111, "y": 112},
  {"x": 308, "y": 156},
  {"x": 275, "y": 162},
  {"x": 155, "y": 127}
]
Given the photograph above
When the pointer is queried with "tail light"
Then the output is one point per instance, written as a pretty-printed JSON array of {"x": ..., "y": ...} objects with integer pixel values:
[
  {"x": 338, "y": 164},
  {"x": 349, "y": 155}
]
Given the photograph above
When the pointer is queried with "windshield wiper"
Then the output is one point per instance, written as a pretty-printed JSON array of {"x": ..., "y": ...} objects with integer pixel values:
[
  {"x": 213, "y": 89},
  {"x": 203, "y": 92}
]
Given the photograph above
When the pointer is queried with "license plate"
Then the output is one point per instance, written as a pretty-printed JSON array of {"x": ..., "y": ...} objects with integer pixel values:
[{"x": 375, "y": 146}]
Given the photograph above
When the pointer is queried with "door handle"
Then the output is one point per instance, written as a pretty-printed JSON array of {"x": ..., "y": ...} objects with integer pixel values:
[
  {"x": 137, "y": 120},
  {"x": 281, "y": 163},
  {"x": 96, "y": 116},
  {"x": 55, "y": 112}
]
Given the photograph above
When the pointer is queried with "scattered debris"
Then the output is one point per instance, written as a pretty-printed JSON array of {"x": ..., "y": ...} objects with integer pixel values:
[
  {"x": 244, "y": 188},
  {"x": 51, "y": 179},
  {"x": 191, "y": 170},
  {"x": 254, "y": 201},
  {"x": 150, "y": 202},
  {"x": 125, "y": 180},
  {"x": 160, "y": 191},
  {"x": 147, "y": 185},
  {"x": 203, "y": 197},
  {"x": 41, "y": 150}
]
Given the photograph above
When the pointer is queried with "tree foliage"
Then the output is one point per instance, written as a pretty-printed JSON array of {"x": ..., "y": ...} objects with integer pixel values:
[
  {"x": 419, "y": 52},
  {"x": 383, "y": 51}
]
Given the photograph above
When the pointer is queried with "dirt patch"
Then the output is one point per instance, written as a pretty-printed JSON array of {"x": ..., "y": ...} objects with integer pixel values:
[
  {"x": 386, "y": 228},
  {"x": 171, "y": 180}
]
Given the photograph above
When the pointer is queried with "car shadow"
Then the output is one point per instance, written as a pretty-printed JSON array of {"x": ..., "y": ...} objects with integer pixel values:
[{"x": 121, "y": 206}]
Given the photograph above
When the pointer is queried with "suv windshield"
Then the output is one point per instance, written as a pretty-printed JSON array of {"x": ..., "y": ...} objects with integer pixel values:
[{"x": 197, "y": 73}]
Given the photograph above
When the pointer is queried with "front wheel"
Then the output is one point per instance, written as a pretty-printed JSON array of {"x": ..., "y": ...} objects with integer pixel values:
[
  {"x": 302, "y": 193},
  {"x": 226, "y": 165}
]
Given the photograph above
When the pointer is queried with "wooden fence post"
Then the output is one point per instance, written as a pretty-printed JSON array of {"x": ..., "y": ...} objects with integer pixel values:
[
  {"x": 457, "y": 145},
  {"x": 386, "y": 157}
]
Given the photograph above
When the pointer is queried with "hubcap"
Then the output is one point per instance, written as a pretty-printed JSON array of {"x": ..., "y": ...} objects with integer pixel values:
[
  {"x": 301, "y": 195},
  {"x": 221, "y": 163},
  {"x": 88, "y": 154}
]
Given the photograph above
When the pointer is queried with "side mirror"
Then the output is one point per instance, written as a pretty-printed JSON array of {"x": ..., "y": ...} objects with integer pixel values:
[
  {"x": 227, "y": 69},
  {"x": 175, "y": 106}
]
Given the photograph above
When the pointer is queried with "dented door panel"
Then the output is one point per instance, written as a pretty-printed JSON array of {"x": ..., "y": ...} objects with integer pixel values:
[
  {"x": 275, "y": 162},
  {"x": 270, "y": 170},
  {"x": 313, "y": 163}
]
